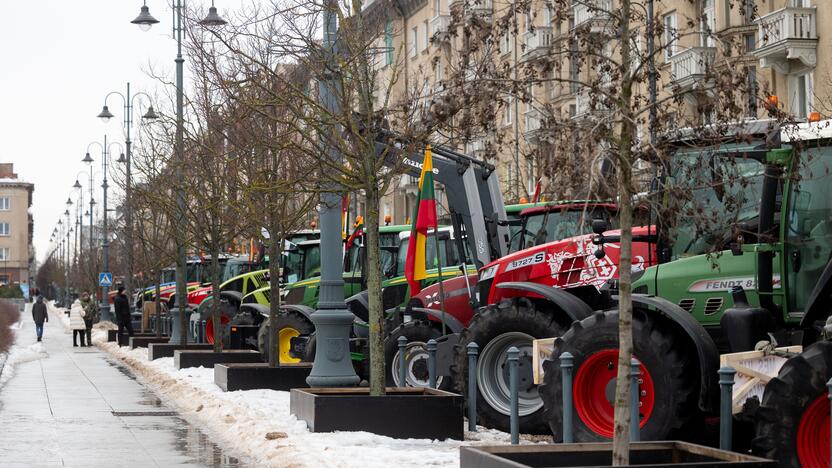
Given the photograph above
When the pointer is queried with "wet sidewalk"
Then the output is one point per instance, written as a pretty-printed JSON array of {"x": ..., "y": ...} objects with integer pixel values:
[{"x": 78, "y": 408}]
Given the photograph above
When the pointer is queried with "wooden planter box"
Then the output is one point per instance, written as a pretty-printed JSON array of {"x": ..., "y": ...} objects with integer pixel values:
[
  {"x": 207, "y": 357},
  {"x": 161, "y": 350},
  {"x": 254, "y": 376},
  {"x": 403, "y": 413},
  {"x": 653, "y": 454},
  {"x": 143, "y": 341},
  {"x": 124, "y": 340}
]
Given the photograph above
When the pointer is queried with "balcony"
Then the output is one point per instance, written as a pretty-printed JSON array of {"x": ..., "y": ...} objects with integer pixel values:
[
  {"x": 593, "y": 15},
  {"x": 688, "y": 68},
  {"x": 439, "y": 26},
  {"x": 788, "y": 40},
  {"x": 471, "y": 7},
  {"x": 538, "y": 42},
  {"x": 588, "y": 106},
  {"x": 477, "y": 147},
  {"x": 533, "y": 124}
]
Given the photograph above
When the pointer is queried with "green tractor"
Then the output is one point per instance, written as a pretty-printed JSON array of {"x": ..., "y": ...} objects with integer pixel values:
[{"x": 755, "y": 274}]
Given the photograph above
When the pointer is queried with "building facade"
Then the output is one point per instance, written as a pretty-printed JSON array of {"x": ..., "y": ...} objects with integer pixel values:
[
  {"x": 16, "y": 227},
  {"x": 771, "y": 49}
]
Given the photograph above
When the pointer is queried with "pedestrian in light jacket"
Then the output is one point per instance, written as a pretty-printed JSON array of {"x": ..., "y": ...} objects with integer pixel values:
[
  {"x": 39, "y": 315},
  {"x": 76, "y": 323}
]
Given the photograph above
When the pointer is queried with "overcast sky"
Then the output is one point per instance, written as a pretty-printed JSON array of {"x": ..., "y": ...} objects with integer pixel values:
[{"x": 58, "y": 59}]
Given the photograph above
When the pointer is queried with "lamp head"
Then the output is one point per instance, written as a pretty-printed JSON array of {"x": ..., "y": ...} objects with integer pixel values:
[
  {"x": 145, "y": 20},
  {"x": 66, "y": 213},
  {"x": 213, "y": 18},
  {"x": 87, "y": 159},
  {"x": 150, "y": 114},
  {"x": 76, "y": 185},
  {"x": 121, "y": 159},
  {"x": 68, "y": 202},
  {"x": 105, "y": 114}
]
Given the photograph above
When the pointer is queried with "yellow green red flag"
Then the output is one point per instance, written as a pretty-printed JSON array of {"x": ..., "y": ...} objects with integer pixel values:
[{"x": 424, "y": 218}]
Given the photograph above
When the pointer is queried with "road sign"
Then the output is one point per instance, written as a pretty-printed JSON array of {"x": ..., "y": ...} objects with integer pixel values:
[{"x": 105, "y": 279}]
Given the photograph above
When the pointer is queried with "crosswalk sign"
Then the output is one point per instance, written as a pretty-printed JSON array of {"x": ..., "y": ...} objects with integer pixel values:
[{"x": 105, "y": 279}]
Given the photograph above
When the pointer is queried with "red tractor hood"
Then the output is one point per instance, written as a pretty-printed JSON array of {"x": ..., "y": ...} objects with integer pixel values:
[
  {"x": 566, "y": 263},
  {"x": 198, "y": 295}
]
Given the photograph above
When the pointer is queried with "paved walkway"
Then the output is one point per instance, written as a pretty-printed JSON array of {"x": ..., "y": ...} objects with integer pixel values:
[{"x": 77, "y": 408}]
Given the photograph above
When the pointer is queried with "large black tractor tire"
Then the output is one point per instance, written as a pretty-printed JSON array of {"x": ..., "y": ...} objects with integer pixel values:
[
  {"x": 290, "y": 324},
  {"x": 793, "y": 419},
  {"x": 669, "y": 378},
  {"x": 495, "y": 329},
  {"x": 418, "y": 333}
]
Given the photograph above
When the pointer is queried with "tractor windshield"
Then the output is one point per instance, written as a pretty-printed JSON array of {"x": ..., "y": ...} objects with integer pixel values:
[
  {"x": 311, "y": 262},
  {"x": 448, "y": 258},
  {"x": 234, "y": 268},
  {"x": 548, "y": 226},
  {"x": 712, "y": 197}
]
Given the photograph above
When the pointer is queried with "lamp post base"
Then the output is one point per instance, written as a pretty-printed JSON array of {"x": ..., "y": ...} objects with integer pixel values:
[
  {"x": 104, "y": 312},
  {"x": 177, "y": 326},
  {"x": 333, "y": 366}
]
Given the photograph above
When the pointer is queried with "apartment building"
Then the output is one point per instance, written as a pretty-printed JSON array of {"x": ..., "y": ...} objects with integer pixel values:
[
  {"x": 16, "y": 227},
  {"x": 772, "y": 46}
]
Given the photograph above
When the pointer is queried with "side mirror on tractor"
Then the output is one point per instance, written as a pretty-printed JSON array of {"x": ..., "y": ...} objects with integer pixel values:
[{"x": 600, "y": 225}]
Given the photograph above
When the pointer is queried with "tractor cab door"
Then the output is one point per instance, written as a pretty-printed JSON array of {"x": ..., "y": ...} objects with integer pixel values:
[{"x": 807, "y": 229}]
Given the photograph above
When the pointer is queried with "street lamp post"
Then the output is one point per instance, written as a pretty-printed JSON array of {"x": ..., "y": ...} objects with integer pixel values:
[
  {"x": 106, "y": 115},
  {"x": 332, "y": 366},
  {"x": 104, "y": 307},
  {"x": 145, "y": 21},
  {"x": 71, "y": 244},
  {"x": 66, "y": 250}
]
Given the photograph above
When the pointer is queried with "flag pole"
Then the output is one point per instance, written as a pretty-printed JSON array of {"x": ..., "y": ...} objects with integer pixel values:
[{"x": 441, "y": 286}]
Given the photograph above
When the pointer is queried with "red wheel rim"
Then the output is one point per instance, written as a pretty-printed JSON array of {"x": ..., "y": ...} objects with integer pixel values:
[
  {"x": 209, "y": 328},
  {"x": 813, "y": 435},
  {"x": 590, "y": 392}
]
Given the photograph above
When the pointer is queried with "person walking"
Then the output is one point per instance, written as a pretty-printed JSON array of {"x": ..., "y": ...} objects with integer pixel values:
[
  {"x": 76, "y": 323},
  {"x": 39, "y": 315},
  {"x": 90, "y": 315},
  {"x": 122, "y": 309}
]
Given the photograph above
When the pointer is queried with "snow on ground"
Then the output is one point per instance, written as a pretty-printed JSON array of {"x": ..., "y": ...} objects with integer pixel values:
[
  {"x": 239, "y": 421},
  {"x": 19, "y": 354}
]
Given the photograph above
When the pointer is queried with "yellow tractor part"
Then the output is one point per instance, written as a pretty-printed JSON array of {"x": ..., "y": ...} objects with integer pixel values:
[{"x": 284, "y": 341}]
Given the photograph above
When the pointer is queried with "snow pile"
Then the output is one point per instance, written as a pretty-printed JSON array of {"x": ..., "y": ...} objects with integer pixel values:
[
  {"x": 20, "y": 354},
  {"x": 239, "y": 421}
]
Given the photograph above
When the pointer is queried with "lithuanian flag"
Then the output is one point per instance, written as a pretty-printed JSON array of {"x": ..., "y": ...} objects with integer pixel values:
[
  {"x": 357, "y": 232},
  {"x": 424, "y": 217}
]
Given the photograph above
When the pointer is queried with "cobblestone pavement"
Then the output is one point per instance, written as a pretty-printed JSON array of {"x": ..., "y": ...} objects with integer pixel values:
[{"x": 77, "y": 408}]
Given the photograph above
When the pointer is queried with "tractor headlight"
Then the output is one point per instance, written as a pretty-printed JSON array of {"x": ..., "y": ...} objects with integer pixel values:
[{"x": 488, "y": 273}]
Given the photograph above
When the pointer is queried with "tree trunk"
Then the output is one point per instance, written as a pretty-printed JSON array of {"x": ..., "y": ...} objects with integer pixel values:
[
  {"x": 158, "y": 303},
  {"x": 621, "y": 430},
  {"x": 275, "y": 252},
  {"x": 215, "y": 303},
  {"x": 373, "y": 275}
]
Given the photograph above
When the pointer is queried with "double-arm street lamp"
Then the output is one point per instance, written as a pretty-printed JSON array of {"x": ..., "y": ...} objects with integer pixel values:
[
  {"x": 105, "y": 237},
  {"x": 105, "y": 115},
  {"x": 145, "y": 21}
]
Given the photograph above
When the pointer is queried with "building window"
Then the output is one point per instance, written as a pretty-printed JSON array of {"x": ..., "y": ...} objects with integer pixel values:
[
  {"x": 507, "y": 117},
  {"x": 802, "y": 96},
  {"x": 547, "y": 15},
  {"x": 751, "y": 81},
  {"x": 425, "y": 28},
  {"x": 506, "y": 44},
  {"x": 4, "y": 254},
  {"x": 4, "y": 229},
  {"x": 414, "y": 42},
  {"x": 708, "y": 24},
  {"x": 5, "y": 204},
  {"x": 437, "y": 7},
  {"x": 388, "y": 42},
  {"x": 750, "y": 42},
  {"x": 748, "y": 10},
  {"x": 670, "y": 35}
]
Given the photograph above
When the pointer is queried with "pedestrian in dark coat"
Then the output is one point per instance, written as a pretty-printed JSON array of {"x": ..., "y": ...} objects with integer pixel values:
[
  {"x": 90, "y": 314},
  {"x": 122, "y": 306},
  {"x": 39, "y": 315}
]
